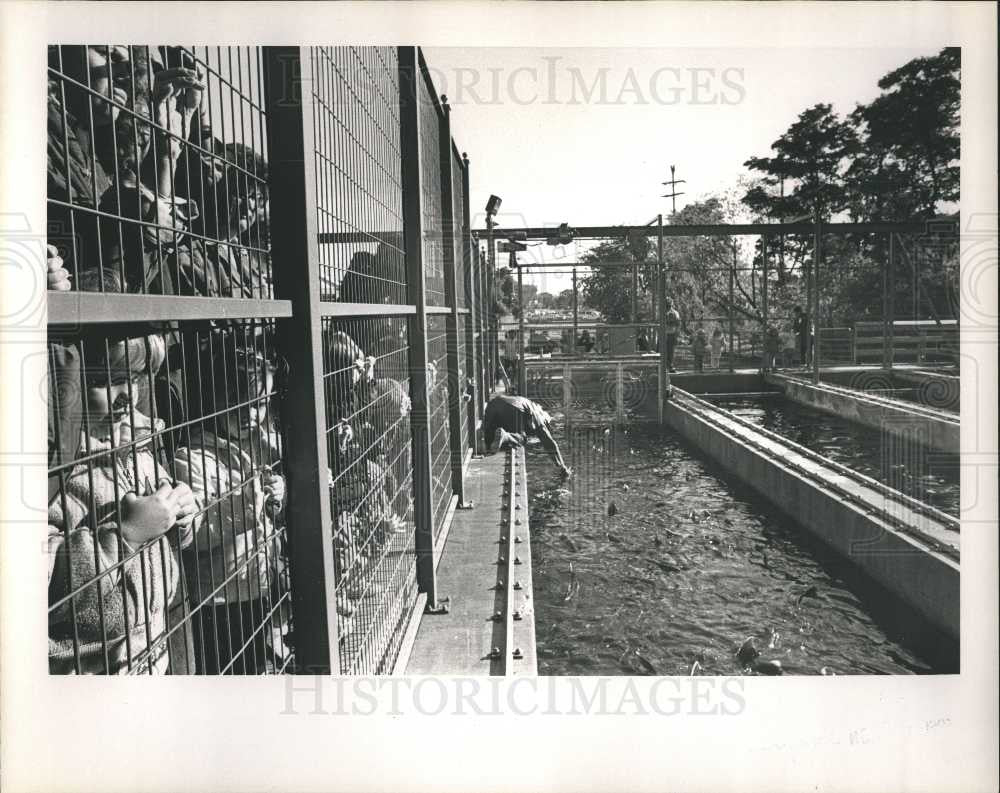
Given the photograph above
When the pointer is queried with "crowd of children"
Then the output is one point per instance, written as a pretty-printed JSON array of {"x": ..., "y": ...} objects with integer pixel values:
[
  {"x": 166, "y": 484},
  {"x": 139, "y": 185}
]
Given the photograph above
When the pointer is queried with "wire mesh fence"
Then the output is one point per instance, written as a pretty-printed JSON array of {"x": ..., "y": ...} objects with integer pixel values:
[
  {"x": 157, "y": 169},
  {"x": 175, "y": 544},
  {"x": 166, "y": 516},
  {"x": 429, "y": 115},
  {"x": 440, "y": 429},
  {"x": 370, "y": 482},
  {"x": 357, "y": 166}
]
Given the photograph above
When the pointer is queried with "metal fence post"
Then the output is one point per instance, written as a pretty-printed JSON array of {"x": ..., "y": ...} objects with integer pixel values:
[
  {"x": 766, "y": 311},
  {"x": 490, "y": 286},
  {"x": 294, "y": 244},
  {"x": 817, "y": 253},
  {"x": 663, "y": 381},
  {"x": 522, "y": 379},
  {"x": 486, "y": 358},
  {"x": 889, "y": 335},
  {"x": 472, "y": 320},
  {"x": 567, "y": 390},
  {"x": 423, "y": 512},
  {"x": 576, "y": 314},
  {"x": 732, "y": 298},
  {"x": 451, "y": 234}
]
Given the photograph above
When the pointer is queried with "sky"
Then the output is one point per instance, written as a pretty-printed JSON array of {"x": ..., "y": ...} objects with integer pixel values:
[{"x": 587, "y": 135}]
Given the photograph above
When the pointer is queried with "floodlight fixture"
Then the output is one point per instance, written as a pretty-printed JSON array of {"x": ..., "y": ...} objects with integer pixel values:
[{"x": 493, "y": 205}]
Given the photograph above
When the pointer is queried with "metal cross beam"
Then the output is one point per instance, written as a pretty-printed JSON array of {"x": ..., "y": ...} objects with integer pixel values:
[{"x": 715, "y": 230}]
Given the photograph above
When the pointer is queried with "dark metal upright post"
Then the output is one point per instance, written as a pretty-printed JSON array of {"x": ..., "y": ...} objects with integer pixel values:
[
  {"x": 294, "y": 243},
  {"x": 576, "y": 313},
  {"x": 732, "y": 298},
  {"x": 635, "y": 294},
  {"x": 522, "y": 380},
  {"x": 490, "y": 281},
  {"x": 451, "y": 237},
  {"x": 484, "y": 387},
  {"x": 817, "y": 253},
  {"x": 889, "y": 331},
  {"x": 663, "y": 381},
  {"x": 763, "y": 286},
  {"x": 409, "y": 115},
  {"x": 472, "y": 319}
]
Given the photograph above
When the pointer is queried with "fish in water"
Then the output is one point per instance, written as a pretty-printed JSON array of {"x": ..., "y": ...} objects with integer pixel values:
[
  {"x": 747, "y": 653},
  {"x": 643, "y": 667},
  {"x": 612, "y": 509},
  {"x": 774, "y": 639},
  {"x": 569, "y": 543},
  {"x": 768, "y": 668},
  {"x": 573, "y": 587},
  {"x": 812, "y": 592},
  {"x": 657, "y": 541},
  {"x": 625, "y": 487},
  {"x": 665, "y": 566}
]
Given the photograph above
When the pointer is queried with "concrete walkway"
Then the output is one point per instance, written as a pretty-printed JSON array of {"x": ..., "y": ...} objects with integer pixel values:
[{"x": 460, "y": 642}]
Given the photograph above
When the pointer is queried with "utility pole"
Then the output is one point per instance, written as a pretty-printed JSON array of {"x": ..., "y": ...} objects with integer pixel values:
[{"x": 672, "y": 195}]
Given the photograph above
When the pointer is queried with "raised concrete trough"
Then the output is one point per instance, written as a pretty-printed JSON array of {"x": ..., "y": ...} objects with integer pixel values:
[
  {"x": 937, "y": 429},
  {"x": 910, "y": 549}
]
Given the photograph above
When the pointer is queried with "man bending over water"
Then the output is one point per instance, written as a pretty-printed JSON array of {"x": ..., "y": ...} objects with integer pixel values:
[{"x": 516, "y": 417}]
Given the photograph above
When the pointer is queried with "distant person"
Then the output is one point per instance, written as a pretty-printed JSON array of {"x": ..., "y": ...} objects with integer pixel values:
[
  {"x": 698, "y": 346},
  {"x": 586, "y": 341},
  {"x": 672, "y": 320},
  {"x": 772, "y": 348},
  {"x": 800, "y": 325},
  {"x": 509, "y": 420},
  {"x": 716, "y": 347}
]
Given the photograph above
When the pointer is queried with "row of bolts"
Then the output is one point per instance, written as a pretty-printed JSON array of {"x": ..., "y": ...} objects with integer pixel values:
[{"x": 517, "y": 655}]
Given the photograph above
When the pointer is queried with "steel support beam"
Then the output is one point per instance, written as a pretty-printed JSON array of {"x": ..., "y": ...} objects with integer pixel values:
[
  {"x": 297, "y": 279},
  {"x": 423, "y": 510},
  {"x": 451, "y": 235},
  {"x": 719, "y": 230}
]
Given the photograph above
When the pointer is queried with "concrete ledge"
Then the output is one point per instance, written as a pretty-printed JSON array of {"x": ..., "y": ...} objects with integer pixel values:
[
  {"x": 922, "y": 577},
  {"x": 936, "y": 429}
]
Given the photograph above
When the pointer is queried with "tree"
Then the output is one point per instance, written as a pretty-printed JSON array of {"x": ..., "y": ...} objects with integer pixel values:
[
  {"x": 805, "y": 175},
  {"x": 608, "y": 288},
  {"x": 546, "y": 300},
  {"x": 907, "y": 161},
  {"x": 810, "y": 155}
]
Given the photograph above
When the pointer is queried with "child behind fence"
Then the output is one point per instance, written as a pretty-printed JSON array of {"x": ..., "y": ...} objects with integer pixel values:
[
  {"x": 115, "y": 507},
  {"x": 235, "y": 556}
]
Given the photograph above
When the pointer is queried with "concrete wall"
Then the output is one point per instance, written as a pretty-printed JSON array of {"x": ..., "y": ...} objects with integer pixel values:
[
  {"x": 926, "y": 580},
  {"x": 720, "y": 382},
  {"x": 938, "y": 433},
  {"x": 937, "y": 390}
]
